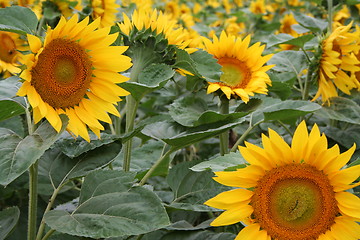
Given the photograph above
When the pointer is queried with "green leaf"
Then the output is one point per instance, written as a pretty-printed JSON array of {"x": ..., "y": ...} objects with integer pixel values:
[
  {"x": 198, "y": 235},
  {"x": 55, "y": 168},
  {"x": 178, "y": 136},
  {"x": 18, "y": 19},
  {"x": 283, "y": 90},
  {"x": 314, "y": 24},
  {"x": 191, "y": 189},
  {"x": 192, "y": 111},
  {"x": 19, "y": 154},
  {"x": 8, "y": 220},
  {"x": 341, "y": 109},
  {"x": 345, "y": 137},
  {"x": 221, "y": 163},
  {"x": 289, "y": 109},
  {"x": 289, "y": 61},
  {"x": 75, "y": 147},
  {"x": 9, "y": 87},
  {"x": 155, "y": 74},
  {"x": 207, "y": 65},
  {"x": 10, "y": 108},
  {"x": 143, "y": 157},
  {"x": 184, "y": 61},
  {"x": 110, "y": 207},
  {"x": 300, "y": 41},
  {"x": 275, "y": 39}
]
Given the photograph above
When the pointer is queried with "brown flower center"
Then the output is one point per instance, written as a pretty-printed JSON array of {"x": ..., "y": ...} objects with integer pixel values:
[
  {"x": 294, "y": 201},
  {"x": 62, "y": 73}
]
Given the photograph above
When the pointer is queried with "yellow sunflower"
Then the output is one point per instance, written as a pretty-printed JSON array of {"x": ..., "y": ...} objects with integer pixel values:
[
  {"x": 106, "y": 10},
  {"x": 243, "y": 67},
  {"x": 75, "y": 73},
  {"x": 337, "y": 58},
  {"x": 295, "y": 192},
  {"x": 10, "y": 58},
  {"x": 156, "y": 21}
]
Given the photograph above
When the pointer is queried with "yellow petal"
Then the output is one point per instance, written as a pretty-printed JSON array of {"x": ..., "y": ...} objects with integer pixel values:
[
  {"x": 53, "y": 118},
  {"x": 232, "y": 216},
  {"x": 299, "y": 142},
  {"x": 348, "y": 226},
  {"x": 23, "y": 89},
  {"x": 212, "y": 87},
  {"x": 251, "y": 232},
  {"x": 87, "y": 118},
  {"x": 348, "y": 203},
  {"x": 230, "y": 199},
  {"x": 245, "y": 177},
  {"x": 227, "y": 91},
  {"x": 34, "y": 43},
  {"x": 78, "y": 124},
  {"x": 340, "y": 161},
  {"x": 341, "y": 180}
]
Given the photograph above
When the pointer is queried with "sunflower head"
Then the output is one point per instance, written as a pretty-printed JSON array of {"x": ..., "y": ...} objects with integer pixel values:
[
  {"x": 243, "y": 67},
  {"x": 10, "y": 57},
  {"x": 337, "y": 59},
  {"x": 106, "y": 10},
  {"x": 75, "y": 72},
  {"x": 292, "y": 192},
  {"x": 152, "y": 36}
]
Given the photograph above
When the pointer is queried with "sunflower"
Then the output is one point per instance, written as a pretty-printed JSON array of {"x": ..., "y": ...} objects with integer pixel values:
[
  {"x": 242, "y": 66},
  {"x": 291, "y": 193},
  {"x": 106, "y": 10},
  {"x": 9, "y": 56},
  {"x": 158, "y": 22},
  {"x": 75, "y": 73},
  {"x": 337, "y": 58}
]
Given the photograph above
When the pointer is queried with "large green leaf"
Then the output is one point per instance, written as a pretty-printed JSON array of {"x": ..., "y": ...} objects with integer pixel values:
[
  {"x": 341, "y": 109},
  {"x": 178, "y": 136},
  {"x": 19, "y": 154},
  {"x": 18, "y": 19},
  {"x": 198, "y": 235},
  {"x": 289, "y": 109},
  {"x": 191, "y": 189},
  {"x": 75, "y": 147},
  {"x": 55, "y": 168},
  {"x": 289, "y": 61},
  {"x": 144, "y": 156},
  {"x": 207, "y": 65},
  {"x": 193, "y": 111},
  {"x": 8, "y": 220},
  {"x": 221, "y": 163},
  {"x": 9, "y": 87},
  {"x": 314, "y": 24},
  {"x": 283, "y": 38},
  {"x": 151, "y": 78},
  {"x": 10, "y": 108},
  {"x": 110, "y": 207}
]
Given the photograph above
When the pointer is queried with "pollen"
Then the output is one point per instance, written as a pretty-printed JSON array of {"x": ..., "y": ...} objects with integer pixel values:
[
  {"x": 62, "y": 73},
  {"x": 295, "y": 201}
]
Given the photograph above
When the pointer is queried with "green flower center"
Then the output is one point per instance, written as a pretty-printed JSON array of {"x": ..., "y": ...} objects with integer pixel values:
[
  {"x": 295, "y": 201},
  {"x": 235, "y": 72}
]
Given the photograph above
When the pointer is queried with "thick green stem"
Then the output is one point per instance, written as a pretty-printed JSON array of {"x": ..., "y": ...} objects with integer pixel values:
[
  {"x": 224, "y": 137},
  {"x": 156, "y": 164},
  {"x": 131, "y": 109},
  {"x": 48, "y": 234},
  {"x": 33, "y": 179}
]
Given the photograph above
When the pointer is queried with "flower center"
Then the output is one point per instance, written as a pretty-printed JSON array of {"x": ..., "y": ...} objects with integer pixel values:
[
  {"x": 62, "y": 73},
  {"x": 235, "y": 72},
  {"x": 7, "y": 48},
  {"x": 295, "y": 201}
]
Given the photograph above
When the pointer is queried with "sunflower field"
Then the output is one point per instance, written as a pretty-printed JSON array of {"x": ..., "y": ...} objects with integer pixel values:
[{"x": 180, "y": 120}]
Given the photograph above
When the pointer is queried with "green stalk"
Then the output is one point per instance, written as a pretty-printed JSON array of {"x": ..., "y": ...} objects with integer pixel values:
[
  {"x": 224, "y": 137},
  {"x": 244, "y": 135},
  {"x": 48, "y": 208},
  {"x": 33, "y": 179},
  {"x": 330, "y": 15},
  {"x": 156, "y": 164}
]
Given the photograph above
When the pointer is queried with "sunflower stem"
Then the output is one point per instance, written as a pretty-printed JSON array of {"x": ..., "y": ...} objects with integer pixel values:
[
  {"x": 244, "y": 135},
  {"x": 224, "y": 137},
  {"x": 330, "y": 15},
  {"x": 33, "y": 181},
  {"x": 156, "y": 164},
  {"x": 48, "y": 234}
]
